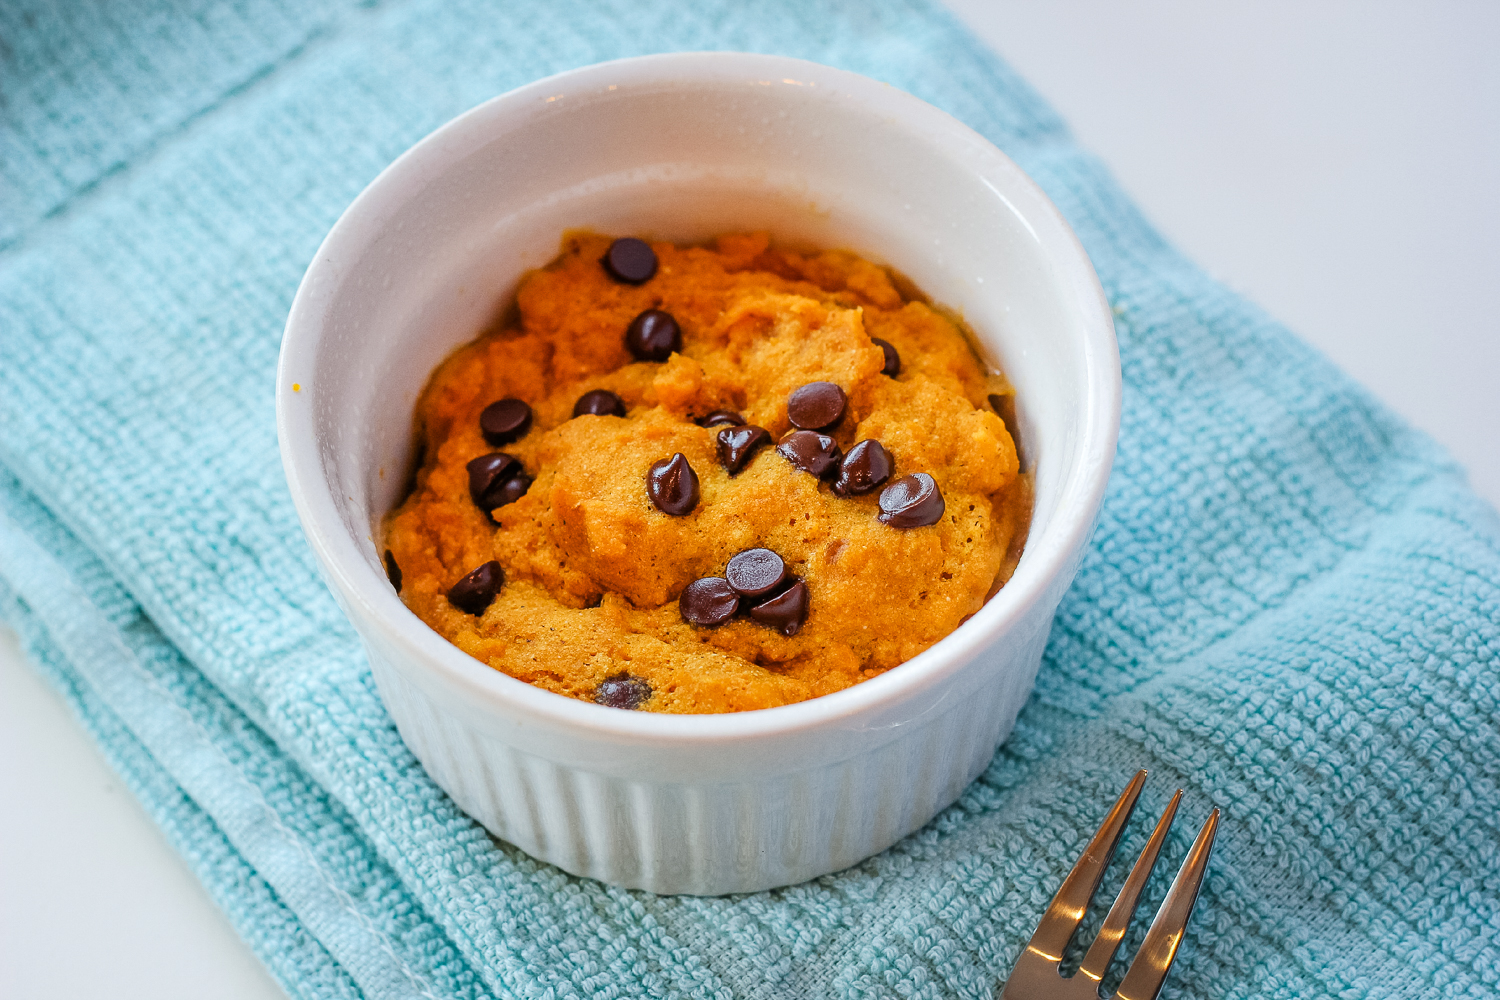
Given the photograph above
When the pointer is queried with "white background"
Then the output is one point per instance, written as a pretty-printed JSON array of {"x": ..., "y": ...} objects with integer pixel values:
[{"x": 1338, "y": 162}]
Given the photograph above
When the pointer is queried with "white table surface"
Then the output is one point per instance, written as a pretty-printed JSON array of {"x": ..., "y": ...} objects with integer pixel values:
[{"x": 1336, "y": 161}]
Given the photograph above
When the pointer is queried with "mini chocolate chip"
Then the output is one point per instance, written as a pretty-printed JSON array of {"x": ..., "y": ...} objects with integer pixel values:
[
  {"x": 672, "y": 485},
  {"x": 600, "y": 403},
  {"x": 487, "y": 474},
  {"x": 892, "y": 359},
  {"x": 786, "y": 611},
  {"x": 811, "y": 452},
  {"x": 862, "y": 471},
  {"x": 475, "y": 592},
  {"x": 630, "y": 260},
  {"x": 709, "y": 601},
  {"x": 737, "y": 445},
  {"x": 816, "y": 406},
  {"x": 392, "y": 570},
  {"x": 755, "y": 572},
  {"x": 511, "y": 490},
  {"x": 622, "y": 691},
  {"x": 721, "y": 418},
  {"x": 504, "y": 421},
  {"x": 653, "y": 336},
  {"x": 912, "y": 501}
]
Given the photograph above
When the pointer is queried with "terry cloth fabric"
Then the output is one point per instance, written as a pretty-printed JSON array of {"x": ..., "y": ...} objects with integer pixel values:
[{"x": 1291, "y": 606}]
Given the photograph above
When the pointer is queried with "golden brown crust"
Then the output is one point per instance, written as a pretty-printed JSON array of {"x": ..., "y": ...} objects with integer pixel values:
[{"x": 593, "y": 570}]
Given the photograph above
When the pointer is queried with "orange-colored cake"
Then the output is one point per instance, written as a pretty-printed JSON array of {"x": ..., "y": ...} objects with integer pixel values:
[{"x": 558, "y": 547}]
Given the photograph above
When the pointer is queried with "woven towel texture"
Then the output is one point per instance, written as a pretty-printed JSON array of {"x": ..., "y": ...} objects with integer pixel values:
[{"x": 1291, "y": 606}]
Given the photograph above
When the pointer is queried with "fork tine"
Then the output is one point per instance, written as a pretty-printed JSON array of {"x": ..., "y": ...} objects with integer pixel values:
[
  {"x": 1073, "y": 896},
  {"x": 1149, "y": 969},
  {"x": 1102, "y": 951}
]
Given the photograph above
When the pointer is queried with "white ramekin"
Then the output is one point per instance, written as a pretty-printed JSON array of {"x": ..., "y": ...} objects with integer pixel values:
[{"x": 683, "y": 147}]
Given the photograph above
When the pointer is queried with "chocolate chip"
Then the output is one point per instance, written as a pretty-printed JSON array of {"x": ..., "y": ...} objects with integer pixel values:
[
  {"x": 487, "y": 474},
  {"x": 653, "y": 336},
  {"x": 392, "y": 570},
  {"x": 862, "y": 471},
  {"x": 504, "y": 421},
  {"x": 892, "y": 359},
  {"x": 600, "y": 403},
  {"x": 622, "y": 691},
  {"x": 737, "y": 445},
  {"x": 786, "y": 611},
  {"x": 811, "y": 452},
  {"x": 475, "y": 592},
  {"x": 709, "y": 601},
  {"x": 672, "y": 485},
  {"x": 816, "y": 406},
  {"x": 755, "y": 572},
  {"x": 630, "y": 260},
  {"x": 721, "y": 418},
  {"x": 511, "y": 490},
  {"x": 912, "y": 501}
]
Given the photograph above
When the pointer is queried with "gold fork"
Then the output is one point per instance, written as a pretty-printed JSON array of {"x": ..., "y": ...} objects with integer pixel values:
[{"x": 1036, "y": 975}]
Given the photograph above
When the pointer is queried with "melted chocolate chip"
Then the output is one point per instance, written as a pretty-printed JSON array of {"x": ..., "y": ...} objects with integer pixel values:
[
  {"x": 653, "y": 336},
  {"x": 630, "y": 260},
  {"x": 504, "y": 421},
  {"x": 392, "y": 571},
  {"x": 622, "y": 691},
  {"x": 600, "y": 403},
  {"x": 811, "y": 452},
  {"x": 737, "y": 445},
  {"x": 786, "y": 611},
  {"x": 475, "y": 592},
  {"x": 892, "y": 359},
  {"x": 672, "y": 485},
  {"x": 709, "y": 601},
  {"x": 863, "y": 470},
  {"x": 816, "y": 406},
  {"x": 721, "y": 418},
  {"x": 912, "y": 501},
  {"x": 755, "y": 572},
  {"x": 488, "y": 474}
]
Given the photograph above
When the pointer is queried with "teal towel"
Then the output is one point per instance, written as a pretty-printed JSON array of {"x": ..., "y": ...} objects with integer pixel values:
[{"x": 1291, "y": 606}]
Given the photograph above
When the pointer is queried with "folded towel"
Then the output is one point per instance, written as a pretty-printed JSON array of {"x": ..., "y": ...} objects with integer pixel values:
[{"x": 1291, "y": 606}]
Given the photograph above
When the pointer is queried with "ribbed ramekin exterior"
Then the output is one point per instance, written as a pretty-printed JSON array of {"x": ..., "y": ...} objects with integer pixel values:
[{"x": 714, "y": 836}]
